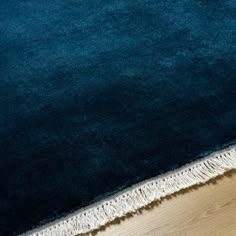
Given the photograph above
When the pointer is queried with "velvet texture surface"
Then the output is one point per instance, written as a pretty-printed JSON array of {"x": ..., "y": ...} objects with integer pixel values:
[{"x": 98, "y": 95}]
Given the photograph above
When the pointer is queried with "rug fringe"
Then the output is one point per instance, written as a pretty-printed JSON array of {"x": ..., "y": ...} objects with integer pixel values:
[{"x": 140, "y": 195}]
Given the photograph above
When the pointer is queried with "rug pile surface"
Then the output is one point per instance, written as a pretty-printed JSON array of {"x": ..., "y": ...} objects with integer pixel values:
[{"x": 97, "y": 96}]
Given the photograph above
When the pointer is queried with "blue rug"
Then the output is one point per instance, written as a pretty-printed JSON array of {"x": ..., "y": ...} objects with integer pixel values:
[{"x": 98, "y": 95}]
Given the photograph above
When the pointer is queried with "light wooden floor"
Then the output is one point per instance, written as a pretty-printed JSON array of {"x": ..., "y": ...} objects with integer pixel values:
[{"x": 207, "y": 210}]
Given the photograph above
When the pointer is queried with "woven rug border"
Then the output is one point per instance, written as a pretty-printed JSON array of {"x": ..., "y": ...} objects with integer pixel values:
[{"x": 140, "y": 195}]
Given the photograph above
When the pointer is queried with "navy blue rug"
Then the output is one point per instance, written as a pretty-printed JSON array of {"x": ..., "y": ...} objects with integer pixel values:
[{"x": 98, "y": 95}]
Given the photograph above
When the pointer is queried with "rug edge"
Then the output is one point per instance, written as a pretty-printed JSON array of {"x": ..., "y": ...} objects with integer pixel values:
[{"x": 140, "y": 195}]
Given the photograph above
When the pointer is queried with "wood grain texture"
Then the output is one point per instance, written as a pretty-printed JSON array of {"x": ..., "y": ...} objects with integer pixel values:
[{"x": 206, "y": 210}]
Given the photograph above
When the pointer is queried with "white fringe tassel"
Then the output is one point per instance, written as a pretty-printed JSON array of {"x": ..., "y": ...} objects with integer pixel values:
[{"x": 140, "y": 195}]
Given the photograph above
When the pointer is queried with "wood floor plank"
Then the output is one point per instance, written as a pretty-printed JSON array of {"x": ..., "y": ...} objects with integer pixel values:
[{"x": 207, "y": 210}]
